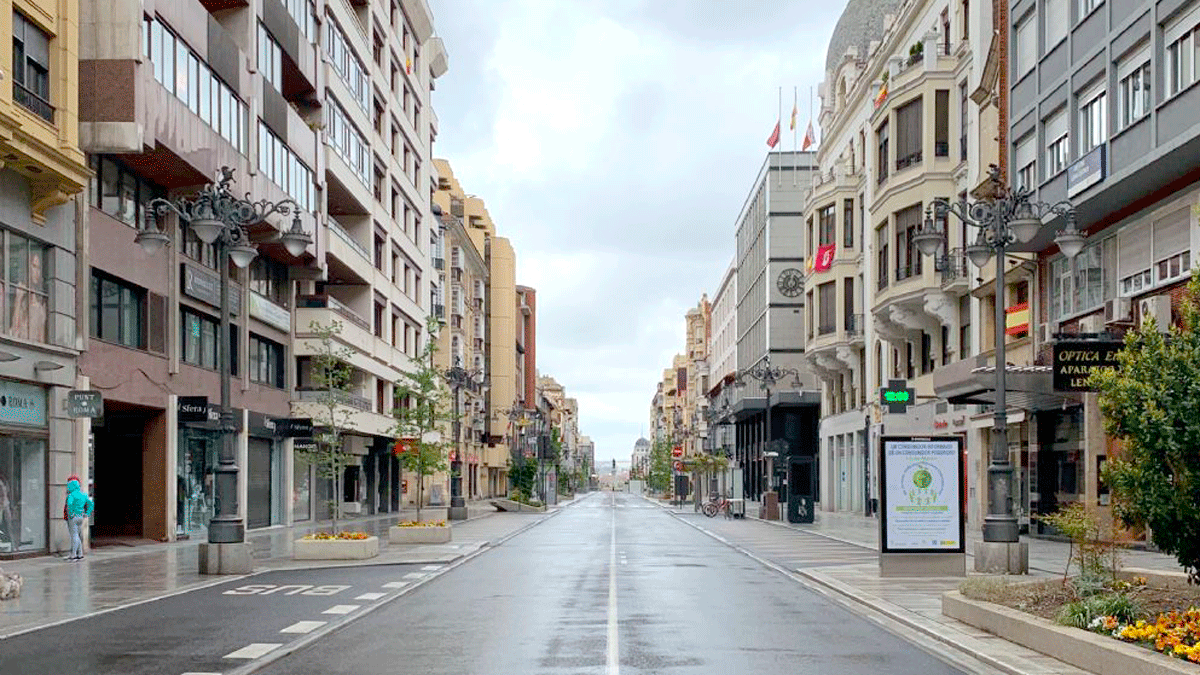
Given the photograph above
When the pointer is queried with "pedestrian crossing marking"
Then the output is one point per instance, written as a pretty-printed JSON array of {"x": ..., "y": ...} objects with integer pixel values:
[
  {"x": 431, "y": 568},
  {"x": 395, "y": 584},
  {"x": 416, "y": 575},
  {"x": 303, "y": 627},
  {"x": 370, "y": 596},
  {"x": 254, "y": 650},
  {"x": 341, "y": 609}
]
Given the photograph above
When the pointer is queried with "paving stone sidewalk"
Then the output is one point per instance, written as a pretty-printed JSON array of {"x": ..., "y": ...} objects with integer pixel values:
[{"x": 56, "y": 589}]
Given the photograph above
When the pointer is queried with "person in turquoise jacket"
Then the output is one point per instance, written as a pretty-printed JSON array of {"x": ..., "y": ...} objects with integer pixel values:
[{"x": 79, "y": 506}]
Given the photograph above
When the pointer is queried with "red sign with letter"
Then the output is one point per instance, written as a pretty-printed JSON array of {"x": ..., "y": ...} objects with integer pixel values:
[{"x": 824, "y": 258}]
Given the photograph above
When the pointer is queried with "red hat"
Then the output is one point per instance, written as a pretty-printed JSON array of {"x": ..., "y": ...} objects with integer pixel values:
[{"x": 73, "y": 477}]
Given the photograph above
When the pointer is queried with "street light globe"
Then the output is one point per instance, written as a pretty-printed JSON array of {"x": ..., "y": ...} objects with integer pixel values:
[
  {"x": 241, "y": 255},
  {"x": 207, "y": 229},
  {"x": 295, "y": 240},
  {"x": 151, "y": 241},
  {"x": 928, "y": 241},
  {"x": 979, "y": 254},
  {"x": 1025, "y": 229},
  {"x": 1070, "y": 242}
]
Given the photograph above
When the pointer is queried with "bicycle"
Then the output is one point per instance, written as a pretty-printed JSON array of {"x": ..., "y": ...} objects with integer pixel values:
[{"x": 717, "y": 505}]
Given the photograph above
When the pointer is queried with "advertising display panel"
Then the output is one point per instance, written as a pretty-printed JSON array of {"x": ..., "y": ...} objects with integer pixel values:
[{"x": 921, "y": 495}]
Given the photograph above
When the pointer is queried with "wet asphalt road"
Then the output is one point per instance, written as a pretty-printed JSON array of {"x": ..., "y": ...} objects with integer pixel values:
[{"x": 611, "y": 585}]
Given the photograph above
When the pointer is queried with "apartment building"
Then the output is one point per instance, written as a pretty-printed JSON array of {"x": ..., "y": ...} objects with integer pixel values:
[
  {"x": 43, "y": 172},
  {"x": 329, "y": 108},
  {"x": 698, "y": 338},
  {"x": 505, "y": 333},
  {"x": 722, "y": 359},
  {"x": 1101, "y": 112}
]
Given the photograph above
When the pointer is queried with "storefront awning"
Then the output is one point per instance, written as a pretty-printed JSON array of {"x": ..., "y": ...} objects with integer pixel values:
[{"x": 1026, "y": 387}]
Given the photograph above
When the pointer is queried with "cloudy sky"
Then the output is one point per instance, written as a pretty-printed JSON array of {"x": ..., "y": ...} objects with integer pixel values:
[{"x": 614, "y": 141}]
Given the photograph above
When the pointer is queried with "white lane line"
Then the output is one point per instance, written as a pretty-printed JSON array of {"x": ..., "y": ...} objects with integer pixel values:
[
  {"x": 432, "y": 568},
  {"x": 341, "y": 609},
  {"x": 194, "y": 673},
  {"x": 416, "y": 575},
  {"x": 254, "y": 650},
  {"x": 303, "y": 627},
  {"x": 370, "y": 596},
  {"x": 614, "y": 649},
  {"x": 395, "y": 584}
]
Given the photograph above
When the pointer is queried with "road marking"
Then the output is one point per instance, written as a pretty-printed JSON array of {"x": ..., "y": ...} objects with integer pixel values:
[
  {"x": 395, "y": 584},
  {"x": 614, "y": 650},
  {"x": 341, "y": 609},
  {"x": 303, "y": 627},
  {"x": 416, "y": 575},
  {"x": 254, "y": 650},
  {"x": 432, "y": 568},
  {"x": 192, "y": 673},
  {"x": 370, "y": 596}
]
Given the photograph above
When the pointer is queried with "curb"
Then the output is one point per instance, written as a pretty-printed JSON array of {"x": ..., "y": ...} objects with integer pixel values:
[
  {"x": 297, "y": 645},
  {"x": 868, "y": 607}
]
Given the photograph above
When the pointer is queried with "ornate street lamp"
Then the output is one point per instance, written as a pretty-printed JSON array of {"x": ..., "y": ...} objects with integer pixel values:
[
  {"x": 1009, "y": 217},
  {"x": 219, "y": 217},
  {"x": 768, "y": 376},
  {"x": 459, "y": 378}
]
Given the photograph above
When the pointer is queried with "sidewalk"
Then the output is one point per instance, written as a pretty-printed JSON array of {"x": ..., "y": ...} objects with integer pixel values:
[
  {"x": 838, "y": 555},
  {"x": 56, "y": 590}
]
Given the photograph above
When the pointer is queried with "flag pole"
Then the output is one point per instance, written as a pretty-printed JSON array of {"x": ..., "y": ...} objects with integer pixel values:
[
  {"x": 780, "y": 122},
  {"x": 795, "y": 160}
]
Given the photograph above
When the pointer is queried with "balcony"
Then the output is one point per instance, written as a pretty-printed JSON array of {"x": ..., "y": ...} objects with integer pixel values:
[
  {"x": 344, "y": 398},
  {"x": 955, "y": 270},
  {"x": 36, "y": 104},
  {"x": 332, "y": 303},
  {"x": 854, "y": 325}
]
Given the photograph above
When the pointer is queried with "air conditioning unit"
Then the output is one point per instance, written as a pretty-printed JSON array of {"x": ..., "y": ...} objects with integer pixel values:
[
  {"x": 1091, "y": 324},
  {"x": 1157, "y": 307},
  {"x": 1118, "y": 311},
  {"x": 1048, "y": 331}
]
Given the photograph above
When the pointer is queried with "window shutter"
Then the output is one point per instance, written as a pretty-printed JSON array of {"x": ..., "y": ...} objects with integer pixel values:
[
  {"x": 156, "y": 322},
  {"x": 1171, "y": 234},
  {"x": 1134, "y": 255}
]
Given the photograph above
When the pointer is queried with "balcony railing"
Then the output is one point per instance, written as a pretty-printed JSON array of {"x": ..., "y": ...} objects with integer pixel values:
[
  {"x": 941, "y": 148},
  {"x": 345, "y": 398},
  {"x": 330, "y": 302},
  {"x": 439, "y": 311},
  {"x": 345, "y": 236},
  {"x": 854, "y": 324},
  {"x": 954, "y": 267},
  {"x": 905, "y": 271},
  {"x": 911, "y": 159},
  {"x": 38, "y": 105},
  {"x": 439, "y": 263}
]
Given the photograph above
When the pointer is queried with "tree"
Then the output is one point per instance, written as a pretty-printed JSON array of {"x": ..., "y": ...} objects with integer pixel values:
[
  {"x": 331, "y": 378},
  {"x": 659, "y": 476},
  {"x": 1151, "y": 401},
  {"x": 421, "y": 422}
]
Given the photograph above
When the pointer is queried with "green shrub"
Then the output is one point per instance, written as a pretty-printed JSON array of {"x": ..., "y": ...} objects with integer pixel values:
[{"x": 1081, "y": 613}]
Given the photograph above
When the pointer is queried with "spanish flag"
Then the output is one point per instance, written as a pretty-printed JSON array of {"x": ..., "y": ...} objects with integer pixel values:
[
  {"x": 408, "y": 65},
  {"x": 793, "y": 127},
  {"x": 882, "y": 95}
]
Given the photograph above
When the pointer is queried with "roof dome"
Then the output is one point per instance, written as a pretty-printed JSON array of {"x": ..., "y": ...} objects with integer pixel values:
[{"x": 861, "y": 22}]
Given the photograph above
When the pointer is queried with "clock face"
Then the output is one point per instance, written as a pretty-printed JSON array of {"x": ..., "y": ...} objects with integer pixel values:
[{"x": 790, "y": 282}]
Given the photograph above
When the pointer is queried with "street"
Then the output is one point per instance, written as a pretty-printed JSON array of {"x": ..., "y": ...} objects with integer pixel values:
[{"x": 612, "y": 583}]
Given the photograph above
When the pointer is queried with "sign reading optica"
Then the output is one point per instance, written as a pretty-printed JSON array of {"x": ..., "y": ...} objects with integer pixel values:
[{"x": 921, "y": 495}]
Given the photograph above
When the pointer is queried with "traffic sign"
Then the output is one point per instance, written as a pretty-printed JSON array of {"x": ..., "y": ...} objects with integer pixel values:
[
  {"x": 677, "y": 451},
  {"x": 85, "y": 403},
  {"x": 678, "y": 466}
]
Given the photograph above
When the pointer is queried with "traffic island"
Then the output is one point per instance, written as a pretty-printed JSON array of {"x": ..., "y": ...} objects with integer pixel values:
[
  {"x": 419, "y": 533},
  {"x": 328, "y": 547}
]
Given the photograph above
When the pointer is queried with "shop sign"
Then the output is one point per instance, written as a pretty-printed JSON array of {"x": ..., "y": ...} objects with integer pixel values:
[
  {"x": 85, "y": 403},
  {"x": 921, "y": 496},
  {"x": 940, "y": 424},
  {"x": 23, "y": 404},
  {"x": 304, "y": 445},
  {"x": 206, "y": 287},
  {"x": 270, "y": 313},
  {"x": 293, "y": 427},
  {"x": 192, "y": 408},
  {"x": 1086, "y": 171},
  {"x": 1074, "y": 362}
]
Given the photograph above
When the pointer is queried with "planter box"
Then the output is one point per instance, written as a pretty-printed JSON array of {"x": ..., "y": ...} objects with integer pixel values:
[
  {"x": 1082, "y": 649},
  {"x": 336, "y": 549},
  {"x": 418, "y": 535},
  {"x": 510, "y": 505}
]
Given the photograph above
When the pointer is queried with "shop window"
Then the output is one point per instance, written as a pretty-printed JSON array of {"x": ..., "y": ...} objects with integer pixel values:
[
  {"x": 23, "y": 490},
  {"x": 118, "y": 311},
  {"x": 301, "y": 488},
  {"x": 266, "y": 362}
]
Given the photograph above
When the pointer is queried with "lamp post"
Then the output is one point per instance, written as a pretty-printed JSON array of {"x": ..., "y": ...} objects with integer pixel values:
[
  {"x": 1011, "y": 216},
  {"x": 219, "y": 217},
  {"x": 458, "y": 378},
  {"x": 768, "y": 375}
]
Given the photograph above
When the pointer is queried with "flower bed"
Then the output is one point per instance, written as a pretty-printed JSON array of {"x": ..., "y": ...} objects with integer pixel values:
[
  {"x": 421, "y": 523},
  {"x": 1173, "y": 633},
  {"x": 341, "y": 546},
  {"x": 325, "y": 536},
  {"x": 423, "y": 532}
]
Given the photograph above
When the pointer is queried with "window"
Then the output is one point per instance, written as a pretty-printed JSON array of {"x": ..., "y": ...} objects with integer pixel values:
[
  {"x": 881, "y": 255},
  {"x": 1057, "y": 143},
  {"x": 1093, "y": 120},
  {"x": 908, "y": 256},
  {"x": 270, "y": 59},
  {"x": 1026, "y": 46},
  {"x": 966, "y": 19},
  {"x": 1083, "y": 288},
  {"x": 305, "y": 16},
  {"x": 1087, "y": 7},
  {"x": 266, "y": 362},
  {"x": 199, "y": 346},
  {"x": 1180, "y": 36},
  {"x": 31, "y": 67},
  {"x": 24, "y": 289},
  {"x": 348, "y": 142},
  {"x": 962, "y": 121},
  {"x": 1055, "y": 22},
  {"x": 269, "y": 278},
  {"x": 1025, "y": 159},
  {"x": 941, "y": 123},
  {"x": 1133, "y": 89},
  {"x": 378, "y": 250},
  {"x": 347, "y": 65},
  {"x": 277, "y": 162},
  {"x": 908, "y": 134},
  {"x": 848, "y": 223},
  {"x": 118, "y": 192},
  {"x": 827, "y": 308},
  {"x": 183, "y": 73},
  {"x": 850, "y": 324},
  {"x": 827, "y": 226},
  {"x": 926, "y": 353},
  {"x": 964, "y": 330},
  {"x": 205, "y": 254},
  {"x": 380, "y": 316},
  {"x": 881, "y": 152},
  {"x": 118, "y": 311}
]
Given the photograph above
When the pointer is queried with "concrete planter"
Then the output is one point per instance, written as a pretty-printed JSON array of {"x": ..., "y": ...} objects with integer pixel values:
[
  {"x": 1082, "y": 649},
  {"x": 336, "y": 549},
  {"x": 418, "y": 535},
  {"x": 510, "y": 505}
]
